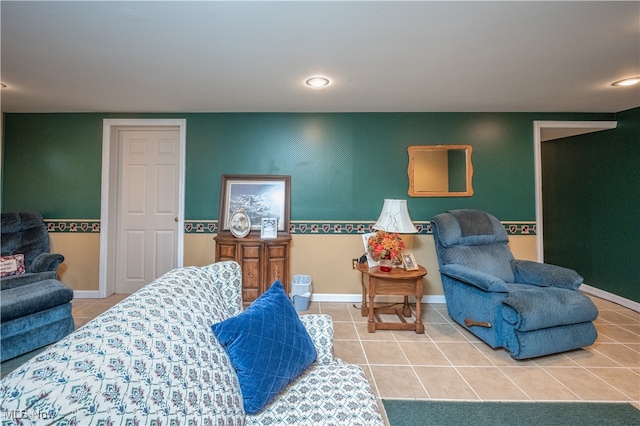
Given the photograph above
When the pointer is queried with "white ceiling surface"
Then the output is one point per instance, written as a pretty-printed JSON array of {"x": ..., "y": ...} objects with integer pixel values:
[{"x": 384, "y": 56}]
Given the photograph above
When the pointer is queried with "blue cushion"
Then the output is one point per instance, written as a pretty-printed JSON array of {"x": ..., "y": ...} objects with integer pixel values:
[
  {"x": 533, "y": 308},
  {"x": 268, "y": 345},
  {"x": 450, "y": 231},
  {"x": 31, "y": 298},
  {"x": 474, "y": 277},
  {"x": 545, "y": 274}
]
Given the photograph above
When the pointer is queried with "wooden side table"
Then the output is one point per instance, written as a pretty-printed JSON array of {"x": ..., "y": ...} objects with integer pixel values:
[{"x": 398, "y": 282}]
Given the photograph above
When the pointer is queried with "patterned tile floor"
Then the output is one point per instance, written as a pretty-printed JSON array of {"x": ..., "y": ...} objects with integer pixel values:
[{"x": 448, "y": 363}]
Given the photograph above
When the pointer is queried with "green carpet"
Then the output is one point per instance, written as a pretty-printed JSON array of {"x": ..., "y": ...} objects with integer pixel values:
[{"x": 401, "y": 412}]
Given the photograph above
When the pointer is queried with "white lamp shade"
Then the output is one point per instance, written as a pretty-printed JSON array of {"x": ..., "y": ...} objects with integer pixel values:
[{"x": 395, "y": 218}]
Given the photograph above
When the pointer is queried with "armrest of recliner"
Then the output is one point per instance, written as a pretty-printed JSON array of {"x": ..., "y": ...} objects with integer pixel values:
[
  {"x": 46, "y": 262},
  {"x": 14, "y": 281},
  {"x": 545, "y": 275},
  {"x": 474, "y": 277}
]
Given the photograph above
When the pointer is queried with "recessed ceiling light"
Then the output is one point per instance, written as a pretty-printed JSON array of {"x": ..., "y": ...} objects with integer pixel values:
[
  {"x": 627, "y": 82},
  {"x": 317, "y": 82}
]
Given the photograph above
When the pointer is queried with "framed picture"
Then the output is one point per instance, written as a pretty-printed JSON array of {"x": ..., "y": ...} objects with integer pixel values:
[
  {"x": 409, "y": 261},
  {"x": 269, "y": 228},
  {"x": 365, "y": 240},
  {"x": 240, "y": 224},
  {"x": 259, "y": 196}
]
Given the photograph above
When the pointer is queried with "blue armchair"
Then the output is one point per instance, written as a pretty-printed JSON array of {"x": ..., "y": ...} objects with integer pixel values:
[
  {"x": 529, "y": 308},
  {"x": 35, "y": 307},
  {"x": 26, "y": 234}
]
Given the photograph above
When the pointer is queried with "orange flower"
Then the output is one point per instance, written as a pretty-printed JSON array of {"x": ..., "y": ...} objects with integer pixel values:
[{"x": 384, "y": 245}]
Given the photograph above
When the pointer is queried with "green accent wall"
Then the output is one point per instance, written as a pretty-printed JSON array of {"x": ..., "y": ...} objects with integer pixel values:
[
  {"x": 52, "y": 164},
  {"x": 342, "y": 164},
  {"x": 591, "y": 205}
]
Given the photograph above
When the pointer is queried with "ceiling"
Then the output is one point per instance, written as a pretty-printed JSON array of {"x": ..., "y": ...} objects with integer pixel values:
[{"x": 382, "y": 56}]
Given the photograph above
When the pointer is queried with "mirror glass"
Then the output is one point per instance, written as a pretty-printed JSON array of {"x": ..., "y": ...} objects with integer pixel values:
[{"x": 440, "y": 171}]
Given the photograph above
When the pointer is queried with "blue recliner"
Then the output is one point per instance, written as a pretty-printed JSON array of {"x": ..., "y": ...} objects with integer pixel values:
[
  {"x": 529, "y": 308},
  {"x": 35, "y": 308}
]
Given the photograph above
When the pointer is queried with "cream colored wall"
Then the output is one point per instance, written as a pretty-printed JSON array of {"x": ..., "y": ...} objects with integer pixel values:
[
  {"x": 81, "y": 259},
  {"x": 81, "y": 266},
  {"x": 327, "y": 258},
  {"x": 524, "y": 247},
  {"x": 199, "y": 249}
]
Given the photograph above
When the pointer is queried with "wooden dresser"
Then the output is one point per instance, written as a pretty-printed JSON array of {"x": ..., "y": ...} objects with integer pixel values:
[{"x": 262, "y": 261}]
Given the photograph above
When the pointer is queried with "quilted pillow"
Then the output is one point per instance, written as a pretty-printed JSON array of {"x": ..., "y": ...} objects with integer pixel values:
[
  {"x": 12, "y": 265},
  {"x": 268, "y": 345}
]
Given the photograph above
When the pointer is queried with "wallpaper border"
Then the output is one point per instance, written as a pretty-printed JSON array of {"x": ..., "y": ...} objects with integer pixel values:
[{"x": 297, "y": 227}]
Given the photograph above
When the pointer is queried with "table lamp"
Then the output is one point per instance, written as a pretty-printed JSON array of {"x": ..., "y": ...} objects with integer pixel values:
[{"x": 395, "y": 218}]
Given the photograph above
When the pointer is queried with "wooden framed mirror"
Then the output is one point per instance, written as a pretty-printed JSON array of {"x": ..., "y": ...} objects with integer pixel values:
[{"x": 440, "y": 171}]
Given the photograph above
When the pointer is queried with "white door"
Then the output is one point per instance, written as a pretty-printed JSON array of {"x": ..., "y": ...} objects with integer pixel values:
[{"x": 147, "y": 207}]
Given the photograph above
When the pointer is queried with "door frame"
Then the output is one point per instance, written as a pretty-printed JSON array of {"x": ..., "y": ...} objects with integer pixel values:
[
  {"x": 570, "y": 128},
  {"x": 109, "y": 195}
]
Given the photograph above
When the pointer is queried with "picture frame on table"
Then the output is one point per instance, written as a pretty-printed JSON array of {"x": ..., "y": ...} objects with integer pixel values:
[
  {"x": 365, "y": 240},
  {"x": 409, "y": 261},
  {"x": 269, "y": 228},
  {"x": 259, "y": 196},
  {"x": 240, "y": 224}
]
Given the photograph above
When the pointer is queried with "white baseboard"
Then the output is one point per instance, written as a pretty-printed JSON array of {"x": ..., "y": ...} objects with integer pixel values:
[
  {"x": 635, "y": 306},
  {"x": 357, "y": 298}
]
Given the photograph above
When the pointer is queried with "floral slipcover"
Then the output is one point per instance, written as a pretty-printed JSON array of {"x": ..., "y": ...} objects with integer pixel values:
[{"x": 152, "y": 359}]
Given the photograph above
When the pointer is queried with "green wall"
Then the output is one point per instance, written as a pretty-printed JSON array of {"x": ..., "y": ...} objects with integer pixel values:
[
  {"x": 591, "y": 204},
  {"x": 342, "y": 164}
]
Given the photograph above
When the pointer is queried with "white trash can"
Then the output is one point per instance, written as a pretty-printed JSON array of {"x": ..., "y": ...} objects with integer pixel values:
[
  {"x": 301, "y": 301},
  {"x": 301, "y": 291},
  {"x": 300, "y": 284}
]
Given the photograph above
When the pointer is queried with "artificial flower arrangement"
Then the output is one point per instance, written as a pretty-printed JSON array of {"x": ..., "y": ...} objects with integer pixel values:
[{"x": 385, "y": 245}]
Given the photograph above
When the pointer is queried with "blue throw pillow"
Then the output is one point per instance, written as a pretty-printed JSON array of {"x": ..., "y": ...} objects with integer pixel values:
[{"x": 268, "y": 346}]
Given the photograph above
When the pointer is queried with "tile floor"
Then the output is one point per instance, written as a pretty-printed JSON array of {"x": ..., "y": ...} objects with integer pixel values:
[{"x": 448, "y": 363}]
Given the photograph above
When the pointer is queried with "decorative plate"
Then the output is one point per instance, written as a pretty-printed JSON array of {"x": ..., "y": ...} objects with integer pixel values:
[{"x": 240, "y": 224}]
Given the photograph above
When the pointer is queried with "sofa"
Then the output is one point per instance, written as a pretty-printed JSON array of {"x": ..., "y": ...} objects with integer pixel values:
[
  {"x": 154, "y": 359},
  {"x": 35, "y": 307}
]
